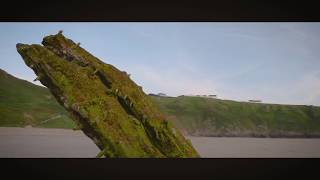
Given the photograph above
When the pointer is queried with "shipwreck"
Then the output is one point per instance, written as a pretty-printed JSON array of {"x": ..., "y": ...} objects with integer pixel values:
[{"x": 104, "y": 102}]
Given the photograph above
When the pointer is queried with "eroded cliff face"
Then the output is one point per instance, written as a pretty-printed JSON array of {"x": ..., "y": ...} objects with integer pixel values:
[{"x": 105, "y": 103}]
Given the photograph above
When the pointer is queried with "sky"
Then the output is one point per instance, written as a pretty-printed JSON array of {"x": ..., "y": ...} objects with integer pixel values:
[{"x": 273, "y": 62}]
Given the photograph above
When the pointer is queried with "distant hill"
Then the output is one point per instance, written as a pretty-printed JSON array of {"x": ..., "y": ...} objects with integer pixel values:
[
  {"x": 215, "y": 117},
  {"x": 23, "y": 103}
]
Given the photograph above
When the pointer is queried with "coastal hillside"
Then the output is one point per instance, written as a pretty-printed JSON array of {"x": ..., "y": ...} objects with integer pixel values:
[
  {"x": 25, "y": 104},
  {"x": 214, "y": 117}
]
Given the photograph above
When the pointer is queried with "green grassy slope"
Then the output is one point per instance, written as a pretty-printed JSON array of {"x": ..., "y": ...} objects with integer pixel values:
[
  {"x": 214, "y": 117},
  {"x": 23, "y": 103}
]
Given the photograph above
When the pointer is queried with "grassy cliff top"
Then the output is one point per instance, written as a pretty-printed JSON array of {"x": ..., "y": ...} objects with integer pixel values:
[
  {"x": 216, "y": 117},
  {"x": 23, "y": 103}
]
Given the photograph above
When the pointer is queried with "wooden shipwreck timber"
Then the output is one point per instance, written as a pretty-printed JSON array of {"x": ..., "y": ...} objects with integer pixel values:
[{"x": 104, "y": 102}]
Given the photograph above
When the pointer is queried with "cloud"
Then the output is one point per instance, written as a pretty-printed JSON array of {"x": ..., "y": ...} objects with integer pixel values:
[
  {"x": 305, "y": 90},
  {"x": 180, "y": 80},
  {"x": 309, "y": 88},
  {"x": 172, "y": 82}
]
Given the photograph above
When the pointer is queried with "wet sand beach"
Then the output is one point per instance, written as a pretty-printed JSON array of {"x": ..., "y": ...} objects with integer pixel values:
[{"x": 64, "y": 143}]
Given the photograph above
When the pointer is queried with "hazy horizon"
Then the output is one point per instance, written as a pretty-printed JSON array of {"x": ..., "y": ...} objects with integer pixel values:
[{"x": 274, "y": 62}]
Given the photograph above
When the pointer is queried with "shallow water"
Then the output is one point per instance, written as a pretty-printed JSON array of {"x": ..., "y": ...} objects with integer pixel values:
[
  {"x": 36, "y": 142},
  {"x": 52, "y": 143},
  {"x": 233, "y": 147}
]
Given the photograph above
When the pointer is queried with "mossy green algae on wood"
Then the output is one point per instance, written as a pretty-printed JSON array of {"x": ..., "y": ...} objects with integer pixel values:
[{"x": 106, "y": 104}]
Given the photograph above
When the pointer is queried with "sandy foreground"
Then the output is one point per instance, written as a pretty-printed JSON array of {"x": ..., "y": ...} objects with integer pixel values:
[{"x": 63, "y": 143}]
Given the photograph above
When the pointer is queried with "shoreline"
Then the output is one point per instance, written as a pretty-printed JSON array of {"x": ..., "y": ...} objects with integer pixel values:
[
  {"x": 58, "y": 131},
  {"x": 17, "y": 142},
  {"x": 316, "y": 136}
]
